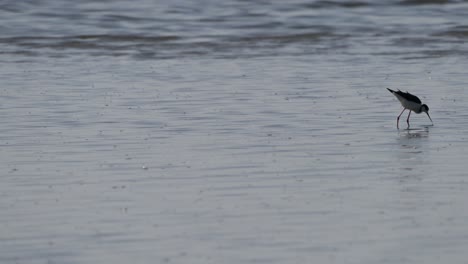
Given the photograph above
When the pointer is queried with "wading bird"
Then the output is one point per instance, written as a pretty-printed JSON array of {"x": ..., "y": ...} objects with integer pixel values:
[{"x": 410, "y": 102}]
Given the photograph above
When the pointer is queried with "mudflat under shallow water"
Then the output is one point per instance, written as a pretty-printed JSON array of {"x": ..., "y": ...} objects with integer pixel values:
[{"x": 242, "y": 132}]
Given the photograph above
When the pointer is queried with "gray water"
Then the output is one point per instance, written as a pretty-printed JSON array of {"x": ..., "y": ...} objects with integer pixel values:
[{"x": 232, "y": 132}]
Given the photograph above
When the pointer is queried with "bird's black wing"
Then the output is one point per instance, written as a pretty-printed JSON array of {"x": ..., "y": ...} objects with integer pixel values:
[{"x": 409, "y": 97}]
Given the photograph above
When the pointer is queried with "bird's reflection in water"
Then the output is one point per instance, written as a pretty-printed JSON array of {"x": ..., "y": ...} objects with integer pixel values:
[
  {"x": 411, "y": 140},
  {"x": 422, "y": 132},
  {"x": 413, "y": 146}
]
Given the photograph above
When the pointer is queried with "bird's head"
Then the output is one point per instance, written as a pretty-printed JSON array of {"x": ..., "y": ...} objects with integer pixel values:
[{"x": 425, "y": 109}]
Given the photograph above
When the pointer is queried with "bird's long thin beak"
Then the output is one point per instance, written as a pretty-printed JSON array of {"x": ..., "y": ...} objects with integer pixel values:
[{"x": 429, "y": 117}]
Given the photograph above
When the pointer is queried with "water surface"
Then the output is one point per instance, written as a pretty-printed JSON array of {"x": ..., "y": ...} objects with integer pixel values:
[{"x": 232, "y": 132}]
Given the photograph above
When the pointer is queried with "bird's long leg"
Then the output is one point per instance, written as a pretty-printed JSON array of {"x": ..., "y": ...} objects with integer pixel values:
[
  {"x": 398, "y": 118},
  {"x": 407, "y": 120}
]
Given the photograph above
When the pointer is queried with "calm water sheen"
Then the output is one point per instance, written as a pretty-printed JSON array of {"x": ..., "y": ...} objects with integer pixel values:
[{"x": 232, "y": 132}]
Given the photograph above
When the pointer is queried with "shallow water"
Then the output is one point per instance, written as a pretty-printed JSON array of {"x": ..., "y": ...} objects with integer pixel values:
[{"x": 233, "y": 132}]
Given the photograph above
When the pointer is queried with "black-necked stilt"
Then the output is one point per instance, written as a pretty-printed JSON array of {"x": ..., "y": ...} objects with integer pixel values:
[{"x": 410, "y": 102}]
